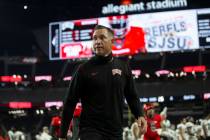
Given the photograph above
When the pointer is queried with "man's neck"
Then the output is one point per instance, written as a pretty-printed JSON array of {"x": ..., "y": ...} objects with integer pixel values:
[
  {"x": 107, "y": 54},
  {"x": 104, "y": 58}
]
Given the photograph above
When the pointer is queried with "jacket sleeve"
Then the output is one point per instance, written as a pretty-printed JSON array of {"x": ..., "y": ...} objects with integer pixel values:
[
  {"x": 131, "y": 94},
  {"x": 71, "y": 100}
]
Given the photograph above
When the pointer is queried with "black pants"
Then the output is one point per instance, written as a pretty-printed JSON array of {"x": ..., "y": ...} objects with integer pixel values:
[{"x": 92, "y": 135}]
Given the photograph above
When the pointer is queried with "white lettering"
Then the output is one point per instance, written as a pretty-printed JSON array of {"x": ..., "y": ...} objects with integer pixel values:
[
  {"x": 138, "y": 7},
  {"x": 105, "y": 10}
]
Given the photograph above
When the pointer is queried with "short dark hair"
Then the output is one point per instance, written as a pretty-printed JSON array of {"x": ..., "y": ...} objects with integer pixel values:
[{"x": 97, "y": 27}]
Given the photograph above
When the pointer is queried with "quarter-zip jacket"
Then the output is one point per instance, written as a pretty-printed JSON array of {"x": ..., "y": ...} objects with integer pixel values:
[{"x": 101, "y": 83}]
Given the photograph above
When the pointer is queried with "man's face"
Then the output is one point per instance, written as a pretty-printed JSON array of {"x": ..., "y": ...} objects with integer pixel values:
[
  {"x": 102, "y": 42},
  {"x": 150, "y": 113}
]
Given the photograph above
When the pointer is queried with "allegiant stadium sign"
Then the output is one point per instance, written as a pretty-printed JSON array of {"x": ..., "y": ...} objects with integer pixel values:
[{"x": 143, "y": 6}]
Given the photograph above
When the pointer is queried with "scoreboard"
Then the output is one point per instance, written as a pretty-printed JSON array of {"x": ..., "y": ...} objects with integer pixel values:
[
  {"x": 71, "y": 39},
  {"x": 178, "y": 30}
]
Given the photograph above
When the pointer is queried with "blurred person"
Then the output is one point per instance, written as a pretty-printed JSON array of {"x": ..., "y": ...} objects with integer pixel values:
[
  {"x": 127, "y": 134},
  {"x": 16, "y": 134},
  {"x": 19, "y": 135},
  {"x": 199, "y": 132},
  {"x": 206, "y": 127},
  {"x": 181, "y": 129},
  {"x": 3, "y": 133},
  {"x": 182, "y": 123},
  {"x": 181, "y": 135},
  {"x": 135, "y": 131},
  {"x": 190, "y": 131},
  {"x": 173, "y": 127},
  {"x": 11, "y": 133},
  {"x": 101, "y": 83},
  {"x": 166, "y": 131},
  {"x": 154, "y": 121},
  {"x": 55, "y": 122},
  {"x": 45, "y": 134},
  {"x": 38, "y": 136},
  {"x": 127, "y": 40},
  {"x": 73, "y": 132},
  {"x": 190, "y": 119},
  {"x": 55, "y": 126}
]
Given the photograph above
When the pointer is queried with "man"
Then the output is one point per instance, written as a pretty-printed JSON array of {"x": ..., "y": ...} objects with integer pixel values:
[
  {"x": 206, "y": 127},
  {"x": 154, "y": 121},
  {"x": 45, "y": 134},
  {"x": 135, "y": 131},
  {"x": 55, "y": 125},
  {"x": 166, "y": 132},
  {"x": 101, "y": 83}
]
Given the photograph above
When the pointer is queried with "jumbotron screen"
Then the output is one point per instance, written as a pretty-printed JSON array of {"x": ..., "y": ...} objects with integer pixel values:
[{"x": 178, "y": 30}]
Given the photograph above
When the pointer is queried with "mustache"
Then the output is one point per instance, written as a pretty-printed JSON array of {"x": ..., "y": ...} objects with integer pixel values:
[{"x": 98, "y": 46}]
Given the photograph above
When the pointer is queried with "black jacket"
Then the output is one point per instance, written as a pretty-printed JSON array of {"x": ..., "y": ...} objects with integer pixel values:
[{"x": 101, "y": 83}]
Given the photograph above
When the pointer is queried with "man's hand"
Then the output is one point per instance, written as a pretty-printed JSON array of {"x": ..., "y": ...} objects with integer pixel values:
[{"x": 142, "y": 124}]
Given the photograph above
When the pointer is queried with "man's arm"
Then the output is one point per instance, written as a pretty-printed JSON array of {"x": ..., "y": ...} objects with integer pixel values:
[
  {"x": 70, "y": 103},
  {"x": 163, "y": 113},
  {"x": 133, "y": 101},
  {"x": 131, "y": 94}
]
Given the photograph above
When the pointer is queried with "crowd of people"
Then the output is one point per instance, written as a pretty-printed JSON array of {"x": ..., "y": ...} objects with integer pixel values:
[
  {"x": 187, "y": 129},
  {"x": 159, "y": 128}
]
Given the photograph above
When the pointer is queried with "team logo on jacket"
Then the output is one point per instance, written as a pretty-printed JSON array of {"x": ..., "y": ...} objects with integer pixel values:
[
  {"x": 116, "y": 71},
  {"x": 94, "y": 73}
]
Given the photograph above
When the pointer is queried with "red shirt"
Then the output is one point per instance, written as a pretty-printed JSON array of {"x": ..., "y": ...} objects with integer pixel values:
[
  {"x": 4, "y": 138},
  {"x": 133, "y": 43},
  {"x": 153, "y": 124},
  {"x": 77, "y": 110},
  {"x": 56, "y": 122}
]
